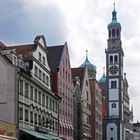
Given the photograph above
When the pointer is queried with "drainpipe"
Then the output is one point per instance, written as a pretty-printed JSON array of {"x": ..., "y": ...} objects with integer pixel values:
[{"x": 17, "y": 124}]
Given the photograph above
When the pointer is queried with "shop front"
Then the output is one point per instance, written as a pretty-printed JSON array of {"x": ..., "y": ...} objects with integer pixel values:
[{"x": 7, "y": 131}]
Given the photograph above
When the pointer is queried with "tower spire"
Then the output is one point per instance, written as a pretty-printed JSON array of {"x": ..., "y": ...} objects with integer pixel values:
[
  {"x": 114, "y": 13},
  {"x": 86, "y": 54}
]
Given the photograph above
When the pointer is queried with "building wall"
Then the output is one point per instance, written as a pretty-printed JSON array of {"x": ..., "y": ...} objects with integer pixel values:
[
  {"x": 96, "y": 92},
  {"x": 86, "y": 97},
  {"x": 65, "y": 91},
  {"x": 7, "y": 91}
]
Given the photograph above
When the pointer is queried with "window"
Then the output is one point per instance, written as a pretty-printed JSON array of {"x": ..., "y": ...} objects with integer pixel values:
[
  {"x": 21, "y": 86},
  {"x": 39, "y": 119},
  {"x": 14, "y": 60},
  {"x": 43, "y": 99},
  {"x": 31, "y": 117},
  {"x": 35, "y": 115},
  {"x": 43, "y": 60},
  {"x": 31, "y": 92},
  {"x": 46, "y": 101},
  {"x": 36, "y": 71},
  {"x": 40, "y": 74},
  {"x": 26, "y": 115},
  {"x": 116, "y": 59},
  {"x": 113, "y": 84},
  {"x": 21, "y": 113},
  {"x": 113, "y": 105},
  {"x": 26, "y": 90},
  {"x": 47, "y": 80},
  {"x": 113, "y": 32},
  {"x": 111, "y": 59},
  {"x": 43, "y": 77},
  {"x": 35, "y": 95},
  {"x": 50, "y": 103},
  {"x": 39, "y": 56},
  {"x": 39, "y": 98},
  {"x": 111, "y": 138}
]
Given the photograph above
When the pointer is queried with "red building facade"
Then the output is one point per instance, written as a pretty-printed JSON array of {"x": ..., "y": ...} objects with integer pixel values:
[{"x": 59, "y": 62}]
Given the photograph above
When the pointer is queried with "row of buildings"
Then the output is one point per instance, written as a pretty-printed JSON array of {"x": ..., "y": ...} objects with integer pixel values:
[{"x": 42, "y": 97}]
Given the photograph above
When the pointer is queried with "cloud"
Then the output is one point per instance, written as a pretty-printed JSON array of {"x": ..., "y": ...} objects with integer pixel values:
[
  {"x": 22, "y": 24},
  {"x": 83, "y": 24}
]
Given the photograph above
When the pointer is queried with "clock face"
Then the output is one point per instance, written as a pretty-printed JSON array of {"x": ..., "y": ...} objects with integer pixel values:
[{"x": 113, "y": 69}]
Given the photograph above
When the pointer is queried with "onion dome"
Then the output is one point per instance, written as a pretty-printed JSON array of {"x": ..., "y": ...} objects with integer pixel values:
[
  {"x": 114, "y": 21},
  {"x": 88, "y": 65},
  {"x": 103, "y": 79}
]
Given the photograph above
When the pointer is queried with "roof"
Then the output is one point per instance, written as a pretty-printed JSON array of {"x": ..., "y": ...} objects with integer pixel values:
[
  {"x": 103, "y": 79},
  {"x": 114, "y": 21},
  {"x": 88, "y": 65},
  {"x": 2, "y": 45},
  {"x": 25, "y": 50},
  {"x": 78, "y": 72},
  {"x": 54, "y": 57}
]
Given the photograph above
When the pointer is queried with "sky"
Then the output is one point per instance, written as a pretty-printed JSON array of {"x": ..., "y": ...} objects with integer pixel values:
[{"x": 83, "y": 25}]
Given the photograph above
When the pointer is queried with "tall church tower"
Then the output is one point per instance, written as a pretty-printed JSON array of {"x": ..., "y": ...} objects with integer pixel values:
[{"x": 114, "y": 72}]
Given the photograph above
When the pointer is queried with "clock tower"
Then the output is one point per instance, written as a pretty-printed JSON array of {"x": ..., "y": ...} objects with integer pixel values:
[{"x": 113, "y": 124}]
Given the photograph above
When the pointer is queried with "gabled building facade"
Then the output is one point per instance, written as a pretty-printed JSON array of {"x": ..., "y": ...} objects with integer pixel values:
[
  {"x": 96, "y": 100},
  {"x": 85, "y": 112},
  {"x": 36, "y": 107},
  {"x": 62, "y": 84}
]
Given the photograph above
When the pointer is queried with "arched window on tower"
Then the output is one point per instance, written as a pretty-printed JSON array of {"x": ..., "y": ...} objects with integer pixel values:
[
  {"x": 113, "y": 84},
  {"x": 113, "y": 32},
  {"x": 116, "y": 59},
  {"x": 111, "y": 59}
]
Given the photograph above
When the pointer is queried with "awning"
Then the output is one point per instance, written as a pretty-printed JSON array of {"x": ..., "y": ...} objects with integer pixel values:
[
  {"x": 2, "y": 137},
  {"x": 41, "y": 135},
  {"x": 35, "y": 134}
]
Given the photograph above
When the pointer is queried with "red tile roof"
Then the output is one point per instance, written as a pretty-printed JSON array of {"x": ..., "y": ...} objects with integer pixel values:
[
  {"x": 25, "y": 50},
  {"x": 54, "y": 57}
]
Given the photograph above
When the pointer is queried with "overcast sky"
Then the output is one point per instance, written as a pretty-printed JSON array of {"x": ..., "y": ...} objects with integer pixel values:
[{"x": 81, "y": 23}]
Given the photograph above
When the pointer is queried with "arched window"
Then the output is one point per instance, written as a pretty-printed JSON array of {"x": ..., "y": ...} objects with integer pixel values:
[
  {"x": 111, "y": 59},
  {"x": 116, "y": 59},
  {"x": 113, "y": 84},
  {"x": 109, "y": 33},
  {"x": 118, "y": 34},
  {"x": 113, "y": 32}
]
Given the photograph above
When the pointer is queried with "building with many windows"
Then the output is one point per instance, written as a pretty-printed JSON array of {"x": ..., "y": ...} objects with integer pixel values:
[
  {"x": 95, "y": 95},
  {"x": 32, "y": 105},
  {"x": 83, "y": 100},
  {"x": 62, "y": 84}
]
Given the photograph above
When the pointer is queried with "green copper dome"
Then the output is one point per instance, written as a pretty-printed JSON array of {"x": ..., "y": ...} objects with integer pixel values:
[
  {"x": 103, "y": 79},
  {"x": 114, "y": 21},
  {"x": 90, "y": 66}
]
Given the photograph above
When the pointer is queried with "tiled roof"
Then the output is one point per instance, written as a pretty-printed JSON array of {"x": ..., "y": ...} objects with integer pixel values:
[
  {"x": 25, "y": 50},
  {"x": 2, "y": 45},
  {"x": 54, "y": 57},
  {"x": 78, "y": 72}
]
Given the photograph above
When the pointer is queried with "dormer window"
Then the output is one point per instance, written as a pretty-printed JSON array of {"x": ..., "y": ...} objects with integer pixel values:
[
  {"x": 14, "y": 60},
  {"x": 39, "y": 56}
]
